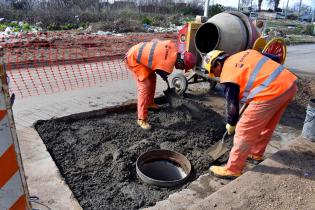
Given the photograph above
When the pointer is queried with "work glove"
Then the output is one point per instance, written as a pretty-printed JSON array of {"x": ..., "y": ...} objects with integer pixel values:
[
  {"x": 230, "y": 128},
  {"x": 162, "y": 74}
]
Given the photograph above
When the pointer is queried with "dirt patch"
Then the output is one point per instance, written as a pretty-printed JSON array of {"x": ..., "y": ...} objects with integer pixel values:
[
  {"x": 97, "y": 156},
  {"x": 53, "y": 48},
  {"x": 295, "y": 113}
]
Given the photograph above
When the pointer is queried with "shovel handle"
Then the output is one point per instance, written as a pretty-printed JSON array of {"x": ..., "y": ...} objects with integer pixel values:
[
  {"x": 224, "y": 136},
  {"x": 241, "y": 112},
  {"x": 243, "y": 109},
  {"x": 168, "y": 84}
]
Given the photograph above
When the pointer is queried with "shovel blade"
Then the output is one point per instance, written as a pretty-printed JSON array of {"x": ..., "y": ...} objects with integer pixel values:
[
  {"x": 172, "y": 97},
  {"x": 217, "y": 150}
]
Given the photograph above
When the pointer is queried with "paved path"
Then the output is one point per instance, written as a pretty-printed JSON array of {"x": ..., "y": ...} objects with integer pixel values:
[{"x": 301, "y": 58}]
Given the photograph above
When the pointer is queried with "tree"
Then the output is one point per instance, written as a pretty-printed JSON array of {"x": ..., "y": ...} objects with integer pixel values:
[
  {"x": 259, "y": 4},
  {"x": 286, "y": 9},
  {"x": 20, "y": 4},
  {"x": 215, "y": 9},
  {"x": 246, "y": 5},
  {"x": 275, "y": 4},
  {"x": 300, "y": 8},
  {"x": 246, "y": 2}
]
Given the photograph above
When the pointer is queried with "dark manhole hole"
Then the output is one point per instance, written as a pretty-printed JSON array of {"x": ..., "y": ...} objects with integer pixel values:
[{"x": 163, "y": 167}]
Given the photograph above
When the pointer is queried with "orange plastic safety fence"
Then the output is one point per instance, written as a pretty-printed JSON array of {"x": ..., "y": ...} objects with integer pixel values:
[{"x": 45, "y": 63}]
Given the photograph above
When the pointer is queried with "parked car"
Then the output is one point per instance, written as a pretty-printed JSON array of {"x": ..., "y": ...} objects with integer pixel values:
[
  {"x": 253, "y": 15},
  {"x": 280, "y": 15}
]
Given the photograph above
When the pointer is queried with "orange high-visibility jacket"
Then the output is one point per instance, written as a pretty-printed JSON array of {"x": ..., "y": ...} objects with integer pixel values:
[
  {"x": 146, "y": 57},
  {"x": 260, "y": 78}
]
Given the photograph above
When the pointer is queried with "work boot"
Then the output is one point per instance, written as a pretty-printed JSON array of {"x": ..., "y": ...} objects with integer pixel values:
[
  {"x": 255, "y": 159},
  {"x": 144, "y": 124},
  {"x": 154, "y": 106},
  {"x": 222, "y": 172}
]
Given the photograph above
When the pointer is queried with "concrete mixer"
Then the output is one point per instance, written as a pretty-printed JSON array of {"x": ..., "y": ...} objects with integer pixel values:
[{"x": 229, "y": 31}]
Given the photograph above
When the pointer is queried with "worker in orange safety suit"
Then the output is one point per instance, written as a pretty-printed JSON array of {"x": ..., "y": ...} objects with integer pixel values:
[
  {"x": 147, "y": 58},
  {"x": 266, "y": 87}
]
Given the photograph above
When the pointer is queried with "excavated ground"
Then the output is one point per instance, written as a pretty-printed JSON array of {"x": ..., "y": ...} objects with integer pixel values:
[{"x": 97, "y": 156}]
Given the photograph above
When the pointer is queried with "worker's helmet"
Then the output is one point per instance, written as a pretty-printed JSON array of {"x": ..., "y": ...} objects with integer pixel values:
[{"x": 209, "y": 60}]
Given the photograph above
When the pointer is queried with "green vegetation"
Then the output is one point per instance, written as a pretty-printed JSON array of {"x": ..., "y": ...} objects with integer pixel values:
[
  {"x": 299, "y": 39},
  {"x": 216, "y": 9},
  {"x": 3, "y": 27},
  {"x": 147, "y": 20},
  {"x": 290, "y": 27},
  {"x": 119, "y": 17},
  {"x": 294, "y": 32},
  {"x": 16, "y": 27}
]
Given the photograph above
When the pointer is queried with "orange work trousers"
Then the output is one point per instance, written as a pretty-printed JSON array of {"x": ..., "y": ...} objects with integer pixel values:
[
  {"x": 146, "y": 87},
  {"x": 254, "y": 129},
  {"x": 146, "y": 91}
]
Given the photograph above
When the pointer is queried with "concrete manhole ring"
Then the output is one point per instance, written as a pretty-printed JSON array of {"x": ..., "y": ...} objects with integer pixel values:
[{"x": 164, "y": 168}]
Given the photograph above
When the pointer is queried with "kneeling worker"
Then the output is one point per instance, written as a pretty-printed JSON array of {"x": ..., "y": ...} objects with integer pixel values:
[
  {"x": 147, "y": 58},
  {"x": 266, "y": 87}
]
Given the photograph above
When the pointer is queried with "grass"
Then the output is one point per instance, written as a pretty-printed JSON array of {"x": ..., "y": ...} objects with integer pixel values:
[{"x": 294, "y": 32}]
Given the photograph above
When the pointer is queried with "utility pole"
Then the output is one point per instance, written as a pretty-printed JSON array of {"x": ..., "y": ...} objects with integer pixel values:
[
  {"x": 286, "y": 9},
  {"x": 238, "y": 5},
  {"x": 206, "y": 8}
]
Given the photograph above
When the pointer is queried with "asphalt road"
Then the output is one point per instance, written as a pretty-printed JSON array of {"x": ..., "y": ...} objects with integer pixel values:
[{"x": 301, "y": 59}]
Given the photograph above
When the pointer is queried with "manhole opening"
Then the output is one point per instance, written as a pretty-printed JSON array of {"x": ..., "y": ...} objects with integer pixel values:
[{"x": 163, "y": 170}]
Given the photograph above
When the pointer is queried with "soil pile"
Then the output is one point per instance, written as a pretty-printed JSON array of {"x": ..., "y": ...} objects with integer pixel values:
[
  {"x": 97, "y": 156},
  {"x": 295, "y": 113}
]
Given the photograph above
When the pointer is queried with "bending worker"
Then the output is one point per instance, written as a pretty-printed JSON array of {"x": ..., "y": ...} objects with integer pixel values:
[
  {"x": 266, "y": 87},
  {"x": 147, "y": 58}
]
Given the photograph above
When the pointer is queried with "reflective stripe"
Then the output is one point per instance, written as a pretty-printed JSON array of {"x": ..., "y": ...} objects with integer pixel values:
[
  {"x": 267, "y": 82},
  {"x": 11, "y": 191},
  {"x": 253, "y": 76},
  {"x": 141, "y": 51},
  {"x": 19, "y": 204},
  {"x": 151, "y": 54},
  {"x": 5, "y": 135},
  {"x": 8, "y": 165}
]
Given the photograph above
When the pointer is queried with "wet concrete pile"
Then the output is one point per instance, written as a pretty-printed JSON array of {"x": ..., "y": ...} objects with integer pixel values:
[{"x": 97, "y": 156}]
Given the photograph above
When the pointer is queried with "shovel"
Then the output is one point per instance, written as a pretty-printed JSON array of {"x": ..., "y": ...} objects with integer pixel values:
[
  {"x": 171, "y": 96},
  {"x": 221, "y": 147}
]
